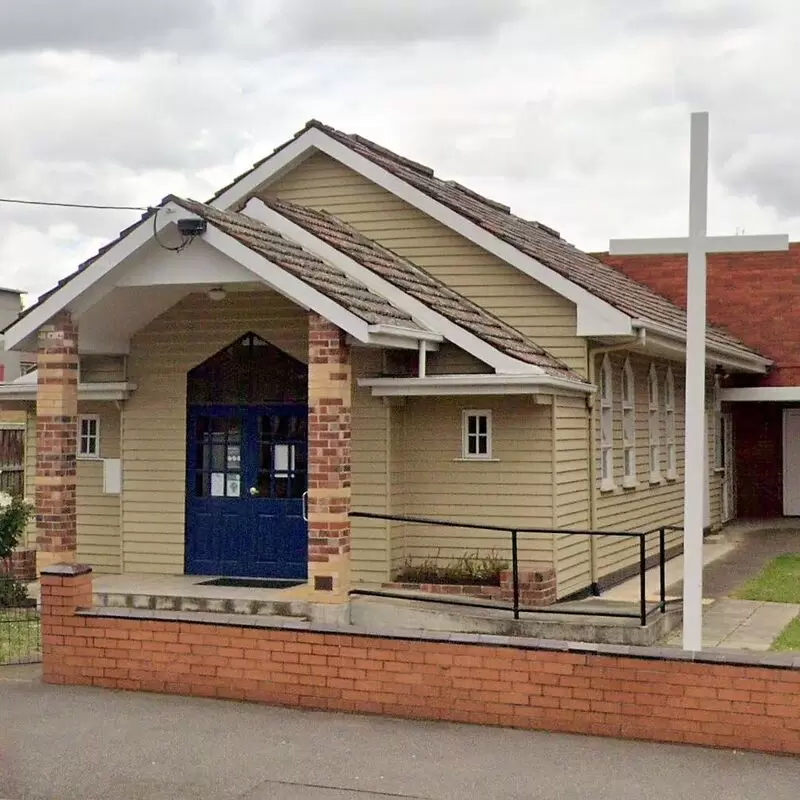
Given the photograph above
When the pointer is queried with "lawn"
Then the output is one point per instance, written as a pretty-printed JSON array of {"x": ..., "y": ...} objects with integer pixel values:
[
  {"x": 19, "y": 636},
  {"x": 778, "y": 582},
  {"x": 789, "y": 640}
]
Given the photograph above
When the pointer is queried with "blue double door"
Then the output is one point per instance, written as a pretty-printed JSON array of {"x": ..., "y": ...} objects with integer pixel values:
[{"x": 247, "y": 478}]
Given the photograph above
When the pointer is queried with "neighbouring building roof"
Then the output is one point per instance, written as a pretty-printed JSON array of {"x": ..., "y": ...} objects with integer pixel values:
[
  {"x": 311, "y": 269},
  {"x": 529, "y": 237},
  {"x": 420, "y": 284}
]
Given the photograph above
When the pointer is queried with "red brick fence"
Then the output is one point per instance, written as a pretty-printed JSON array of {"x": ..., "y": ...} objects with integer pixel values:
[{"x": 719, "y": 700}]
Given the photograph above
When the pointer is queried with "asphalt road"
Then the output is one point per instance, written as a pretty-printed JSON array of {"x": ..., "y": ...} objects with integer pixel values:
[{"x": 65, "y": 744}]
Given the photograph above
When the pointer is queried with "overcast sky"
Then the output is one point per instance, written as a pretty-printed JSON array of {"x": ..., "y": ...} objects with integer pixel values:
[{"x": 574, "y": 112}]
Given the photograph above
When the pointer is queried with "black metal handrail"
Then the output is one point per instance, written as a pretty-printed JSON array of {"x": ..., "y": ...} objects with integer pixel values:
[{"x": 643, "y": 613}]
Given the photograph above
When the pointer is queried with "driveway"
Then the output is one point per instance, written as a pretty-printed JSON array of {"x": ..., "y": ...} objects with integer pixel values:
[{"x": 89, "y": 744}]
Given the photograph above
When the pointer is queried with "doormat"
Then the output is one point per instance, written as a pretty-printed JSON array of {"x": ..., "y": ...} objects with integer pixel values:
[{"x": 252, "y": 583}]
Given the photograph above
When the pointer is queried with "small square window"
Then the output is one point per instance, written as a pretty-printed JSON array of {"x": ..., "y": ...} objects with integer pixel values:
[
  {"x": 89, "y": 437},
  {"x": 477, "y": 434}
]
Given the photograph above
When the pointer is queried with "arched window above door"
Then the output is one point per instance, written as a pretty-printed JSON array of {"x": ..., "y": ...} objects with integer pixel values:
[{"x": 251, "y": 371}]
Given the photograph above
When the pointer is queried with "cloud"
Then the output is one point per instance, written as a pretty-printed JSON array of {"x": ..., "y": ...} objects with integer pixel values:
[
  {"x": 102, "y": 25},
  {"x": 360, "y": 22},
  {"x": 573, "y": 113}
]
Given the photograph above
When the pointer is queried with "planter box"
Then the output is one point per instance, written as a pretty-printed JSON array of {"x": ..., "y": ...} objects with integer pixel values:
[{"x": 537, "y": 588}]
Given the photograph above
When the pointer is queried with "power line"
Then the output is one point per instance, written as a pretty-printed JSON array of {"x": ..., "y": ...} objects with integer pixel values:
[{"x": 72, "y": 205}]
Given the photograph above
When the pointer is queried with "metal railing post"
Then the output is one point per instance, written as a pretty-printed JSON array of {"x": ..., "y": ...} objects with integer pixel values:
[
  {"x": 662, "y": 568},
  {"x": 643, "y": 580},
  {"x": 515, "y": 572}
]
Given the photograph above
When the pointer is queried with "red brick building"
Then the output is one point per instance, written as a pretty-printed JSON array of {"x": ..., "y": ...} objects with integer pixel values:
[{"x": 755, "y": 296}]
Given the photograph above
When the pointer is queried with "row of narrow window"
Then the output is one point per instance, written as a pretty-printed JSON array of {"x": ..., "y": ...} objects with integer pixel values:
[{"x": 661, "y": 404}]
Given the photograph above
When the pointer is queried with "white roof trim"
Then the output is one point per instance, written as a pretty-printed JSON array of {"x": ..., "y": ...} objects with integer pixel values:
[
  {"x": 81, "y": 281},
  {"x": 421, "y": 313},
  {"x": 285, "y": 283},
  {"x": 86, "y": 391},
  {"x": 761, "y": 394},
  {"x": 274, "y": 276},
  {"x": 596, "y": 317},
  {"x": 715, "y": 353},
  {"x": 443, "y": 385}
]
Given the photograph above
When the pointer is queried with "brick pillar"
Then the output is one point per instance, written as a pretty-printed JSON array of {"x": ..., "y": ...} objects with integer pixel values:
[
  {"x": 329, "y": 400},
  {"x": 56, "y": 441},
  {"x": 65, "y": 588}
]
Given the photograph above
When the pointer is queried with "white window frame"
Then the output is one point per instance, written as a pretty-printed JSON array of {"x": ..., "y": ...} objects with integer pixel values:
[
  {"x": 466, "y": 436},
  {"x": 628, "y": 426},
  {"x": 606, "y": 395},
  {"x": 669, "y": 425},
  {"x": 94, "y": 453},
  {"x": 654, "y": 425}
]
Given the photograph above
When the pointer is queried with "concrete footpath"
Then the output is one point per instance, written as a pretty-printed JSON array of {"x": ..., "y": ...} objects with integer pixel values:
[{"x": 65, "y": 743}]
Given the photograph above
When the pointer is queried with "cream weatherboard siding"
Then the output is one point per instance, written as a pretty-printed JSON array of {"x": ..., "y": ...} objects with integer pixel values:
[
  {"x": 371, "y": 479},
  {"x": 429, "y": 479},
  {"x": 102, "y": 369},
  {"x": 154, "y": 448},
  {"x": 321, "y": 182},
  {"x": 646, "y": 506},
  {"x": 98, "y": 514},
  {"x": 99, "y": 541},
  {"x": 571, "y": 478},
  {"x": 154, "y": 442}
]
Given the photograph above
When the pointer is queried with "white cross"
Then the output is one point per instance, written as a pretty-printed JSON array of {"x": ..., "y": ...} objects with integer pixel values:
[{"x": 697, "y": 245}]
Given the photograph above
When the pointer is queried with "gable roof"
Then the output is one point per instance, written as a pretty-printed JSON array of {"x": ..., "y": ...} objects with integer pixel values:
[
  {"x": 638, "y": 303},
  {"x": 306, "y": 266},
  {"x": 420, "y": 284}
]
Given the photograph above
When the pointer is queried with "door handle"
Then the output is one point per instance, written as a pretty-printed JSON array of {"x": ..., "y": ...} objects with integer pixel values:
[
  {"x": 305, "y": 506},
  {"x": 253, "y": 491}
]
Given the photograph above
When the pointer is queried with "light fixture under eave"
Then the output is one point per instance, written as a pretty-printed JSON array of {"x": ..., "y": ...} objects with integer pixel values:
[{"x": 217, "y": 293}]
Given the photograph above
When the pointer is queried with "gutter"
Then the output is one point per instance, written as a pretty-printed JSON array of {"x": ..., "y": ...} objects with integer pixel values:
[{"x": 730, "y": 356}]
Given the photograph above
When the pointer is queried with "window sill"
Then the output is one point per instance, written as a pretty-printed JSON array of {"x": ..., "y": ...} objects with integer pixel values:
[
  {"x": 89, "y": 458},
  {"x": 607, "y": 485},
  {"x": 630, "y": 482},
  {"x": 475, "y": 459}
]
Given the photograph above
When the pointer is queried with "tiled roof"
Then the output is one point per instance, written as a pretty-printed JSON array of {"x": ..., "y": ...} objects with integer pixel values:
[
  {"x": 310, "y": 269},
  {"x": 531, "y": 238},
  {"x": 418, "y": 283}
]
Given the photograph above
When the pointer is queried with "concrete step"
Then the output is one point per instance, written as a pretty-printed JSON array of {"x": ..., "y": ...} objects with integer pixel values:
[{"x": 294, "y": 609}]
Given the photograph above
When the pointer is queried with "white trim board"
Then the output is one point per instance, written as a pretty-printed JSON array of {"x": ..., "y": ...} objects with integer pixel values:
[
  {"x": 761, "y": 394},
  {"x": 596, "y": 317},
  {"x": 452, "y": 385}
]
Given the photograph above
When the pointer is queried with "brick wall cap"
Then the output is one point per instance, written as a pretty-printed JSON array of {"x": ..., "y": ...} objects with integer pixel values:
[{"x": 67, "y": 570}]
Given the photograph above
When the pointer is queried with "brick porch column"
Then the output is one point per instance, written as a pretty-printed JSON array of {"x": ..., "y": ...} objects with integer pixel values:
[
  {"x": 56, "y": 441},
  {"x": 329, "y": 400}
]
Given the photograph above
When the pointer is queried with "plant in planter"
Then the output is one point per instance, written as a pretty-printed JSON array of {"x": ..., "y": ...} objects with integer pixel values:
[
  {"x": 15, "y": 513},
  {"x": 470, "y": 569}
]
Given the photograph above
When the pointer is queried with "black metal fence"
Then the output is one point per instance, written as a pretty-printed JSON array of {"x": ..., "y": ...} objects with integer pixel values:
[
  {"x": 643, "y": 612},
  {"x": 20, "y": 636}
]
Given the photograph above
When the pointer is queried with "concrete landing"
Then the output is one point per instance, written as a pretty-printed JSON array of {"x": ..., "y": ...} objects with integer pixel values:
[{"x": 464, "y": 617}]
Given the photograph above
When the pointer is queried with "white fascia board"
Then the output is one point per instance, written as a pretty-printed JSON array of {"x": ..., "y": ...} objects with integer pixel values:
[
  {"x": 676, "y": 245},
  {"x": 761, "y": 394},
  {"x": 86, "y": 391},
  {"x": 718, "y": 354},
  {"x": 421, "y": 313},
  {"x": 87, "y": 278},
  {"x": 288, "y": 285},
  {"x": 440, "y": 385},
  {"x": 596, "y": 317},
  {"x": 414, "y": 334}
]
